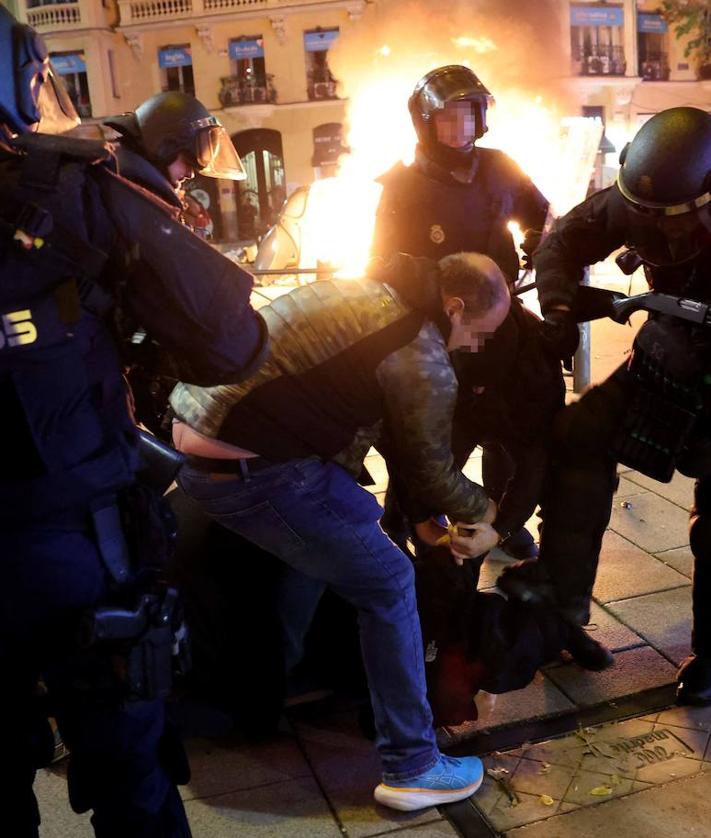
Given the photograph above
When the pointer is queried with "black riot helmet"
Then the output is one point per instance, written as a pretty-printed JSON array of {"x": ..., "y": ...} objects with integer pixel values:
[
  {"x": 169, "y": 124},
  {"x": 665, "y": 180},
  {"x": 432, "y": 93},
  {"x": 32, "y": 95}
]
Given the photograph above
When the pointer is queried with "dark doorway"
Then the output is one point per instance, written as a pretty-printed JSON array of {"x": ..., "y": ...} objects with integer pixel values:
[{"x": 261, "y": 195}]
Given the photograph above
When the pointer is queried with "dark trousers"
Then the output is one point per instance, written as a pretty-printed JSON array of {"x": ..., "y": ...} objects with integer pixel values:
[
  {"x": 578, "y": 503},
  {"x": 117, "y": 749}
]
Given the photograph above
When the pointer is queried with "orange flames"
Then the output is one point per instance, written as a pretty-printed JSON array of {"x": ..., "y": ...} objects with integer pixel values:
[{"x": 557, "y": 154}]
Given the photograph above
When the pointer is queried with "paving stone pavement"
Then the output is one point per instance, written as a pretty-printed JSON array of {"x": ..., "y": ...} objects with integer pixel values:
[
  {"x": 642, "y": 778},
  {"x": 316, "y": 779}
]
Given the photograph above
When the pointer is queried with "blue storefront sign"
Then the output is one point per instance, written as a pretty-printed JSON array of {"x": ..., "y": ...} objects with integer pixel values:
[
  {"x": 651, "y": 23},
  {"x": 68, "y": 64},
  {"x": 246, "y": 48},
  {"x": 319, "y": 41},
  {"x": 597, "y": 16},
  {"x": 175, "y": 57}
]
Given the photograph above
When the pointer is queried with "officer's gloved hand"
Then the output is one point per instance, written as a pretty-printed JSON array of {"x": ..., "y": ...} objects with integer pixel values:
[
  {"x": 560, "y": 331},
  {"x": 531, "y": 240}
]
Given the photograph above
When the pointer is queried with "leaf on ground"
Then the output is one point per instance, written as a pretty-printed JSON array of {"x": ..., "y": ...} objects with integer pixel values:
[
  {"x": 601, "y": 791},
  {"x": 546, "y": 800},
  {"x": 545, "y": 768}
]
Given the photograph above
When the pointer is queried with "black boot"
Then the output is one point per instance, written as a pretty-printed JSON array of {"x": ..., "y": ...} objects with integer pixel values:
[
  {"x": 587, "y": 652},
  {"x": 694, "y": 681}
]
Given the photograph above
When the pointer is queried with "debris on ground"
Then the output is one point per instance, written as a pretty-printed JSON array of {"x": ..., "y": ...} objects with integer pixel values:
[{"x": 500, "y": 776}]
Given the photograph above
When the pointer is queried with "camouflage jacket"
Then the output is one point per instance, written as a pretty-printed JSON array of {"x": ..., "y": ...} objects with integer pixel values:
[{"x": 345, "y": 355}]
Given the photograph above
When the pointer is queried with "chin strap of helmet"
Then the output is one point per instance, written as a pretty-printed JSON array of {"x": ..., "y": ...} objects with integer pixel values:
[{"x": 450, "y": 158}]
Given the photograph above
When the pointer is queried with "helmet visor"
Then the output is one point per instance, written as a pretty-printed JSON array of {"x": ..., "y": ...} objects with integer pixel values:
[
  {"x": 449, "y": 84},
  {"x": 215, "y": 154},
  {"x": 663, "y": 240}
]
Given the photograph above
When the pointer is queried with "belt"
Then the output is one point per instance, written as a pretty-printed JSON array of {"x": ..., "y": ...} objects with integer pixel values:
[{"x": 240, "y": 467}]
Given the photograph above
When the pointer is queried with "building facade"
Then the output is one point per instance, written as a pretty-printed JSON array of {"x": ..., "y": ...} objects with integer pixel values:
[
  {"x": 262, "y": 67},
  {"x": 627, "y": 64}
]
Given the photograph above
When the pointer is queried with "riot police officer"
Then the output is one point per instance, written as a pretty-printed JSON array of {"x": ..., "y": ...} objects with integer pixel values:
[
  {"x": 166, "y": 141},
  {"x": 158, "y": 148},
  {"x": 652, "y": 413},
  {"x": 78, "y": 242},
  {"x": 455, "y": 197},
  {"x": 178, "y": 135}
]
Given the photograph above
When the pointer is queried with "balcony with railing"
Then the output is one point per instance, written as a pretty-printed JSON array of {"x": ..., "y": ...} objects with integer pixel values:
[
  {"x": 237, "y": 90},
  {"x": 599, "y": 60},
  {"x": 145, "y": 11},
  {"x": 48, "y": 16},
  {"x": 654, "y": 67},
  {"x": 326, "y": 89},
  {"x": 134, "y": 12},
  {"x": 56, "y": 16}
]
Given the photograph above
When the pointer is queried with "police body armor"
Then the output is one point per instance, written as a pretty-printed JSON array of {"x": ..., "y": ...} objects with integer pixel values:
[
  {"x": 70, "y": 452},
  {"x": 428, "y": 216},
  {"x": 69, "y": 436},
  {"x": 667, "y": 425}
]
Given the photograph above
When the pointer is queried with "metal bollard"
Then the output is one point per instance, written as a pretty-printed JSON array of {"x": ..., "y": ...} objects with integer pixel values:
[{"x": 582, "y": 375}]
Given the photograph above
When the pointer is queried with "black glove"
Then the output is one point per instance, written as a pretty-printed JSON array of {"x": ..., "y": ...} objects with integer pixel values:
[
  {"x": 560, "y": 332},
  {"x": 531, "y": 240}
]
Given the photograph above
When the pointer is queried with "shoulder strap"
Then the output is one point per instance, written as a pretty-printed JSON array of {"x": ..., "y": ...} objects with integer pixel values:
[{"x": 33, "y": 227}]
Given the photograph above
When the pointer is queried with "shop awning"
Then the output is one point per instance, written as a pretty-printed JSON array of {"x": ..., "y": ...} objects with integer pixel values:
[
  {"x": 246, "y": 48},
  {"x": 68, "y": 63},
  {"x": 597, "y": 16},
  {"x": 319, "y": 41},
  {"x": 651, "y": 23},
  {"x": 175, "y": 57}
]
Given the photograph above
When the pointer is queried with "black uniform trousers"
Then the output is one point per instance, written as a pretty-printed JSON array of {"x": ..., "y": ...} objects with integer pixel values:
[
  {"x": 48, "y": 577},
  {"x": 578, "y": 504}
]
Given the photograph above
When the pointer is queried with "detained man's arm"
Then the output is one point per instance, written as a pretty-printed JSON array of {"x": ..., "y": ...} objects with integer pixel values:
[
  {"x": 518, "y": 503},
  {"x": 419, "y": 391}
]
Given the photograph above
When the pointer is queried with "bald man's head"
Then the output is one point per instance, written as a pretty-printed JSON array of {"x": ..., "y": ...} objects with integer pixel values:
[{"x": 475, "y": 297}]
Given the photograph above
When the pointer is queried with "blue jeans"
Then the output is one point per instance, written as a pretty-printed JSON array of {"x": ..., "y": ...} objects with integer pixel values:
[{"x": 316, "y": 518}]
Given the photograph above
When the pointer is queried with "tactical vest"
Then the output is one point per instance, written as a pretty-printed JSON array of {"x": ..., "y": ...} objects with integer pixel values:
[
  {"x": 67, "y": 436},
  {"x": 424, "y": 216}
]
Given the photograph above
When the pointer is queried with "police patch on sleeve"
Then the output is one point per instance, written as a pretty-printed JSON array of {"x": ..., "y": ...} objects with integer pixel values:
[{"x": 437, "y": 234}]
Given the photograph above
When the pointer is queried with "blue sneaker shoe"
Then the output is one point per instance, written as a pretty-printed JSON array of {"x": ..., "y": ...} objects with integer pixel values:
[{"x": 449, "y": 780}]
